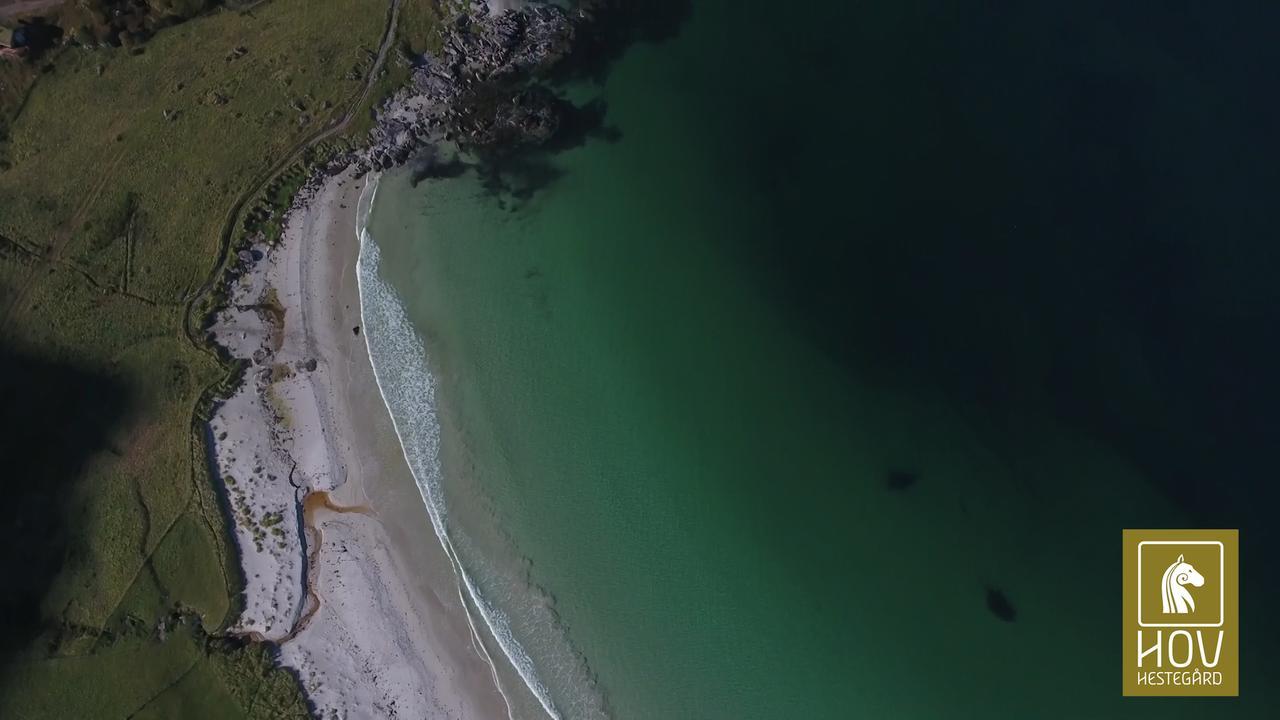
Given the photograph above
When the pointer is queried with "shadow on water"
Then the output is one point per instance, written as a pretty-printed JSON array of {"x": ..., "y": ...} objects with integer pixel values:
[
  {"x": 53, "y": 418},
  {"x": 580, "y": 123},
  {"x": 615, "y": 26},
  {"x": 1047, "y": 212},
  {"x": 514, "y": 172},
  {"x": 433, "y": 163}
]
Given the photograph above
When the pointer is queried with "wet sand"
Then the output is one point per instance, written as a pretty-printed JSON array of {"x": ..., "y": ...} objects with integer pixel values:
[{"x": 361, "y": 597}]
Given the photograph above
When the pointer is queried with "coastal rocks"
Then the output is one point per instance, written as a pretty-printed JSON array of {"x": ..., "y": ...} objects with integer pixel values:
[
  {"x": 481, "y": 93},
  {"x": 515, "y": 43}
]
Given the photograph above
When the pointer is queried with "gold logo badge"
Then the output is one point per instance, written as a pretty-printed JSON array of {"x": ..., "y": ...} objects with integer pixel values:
[{"x": 1181, "y": 620}]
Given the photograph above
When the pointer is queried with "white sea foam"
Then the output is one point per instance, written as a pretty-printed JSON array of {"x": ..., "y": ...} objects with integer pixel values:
[
  {"x": 497, "y": 6},
  {"x": 399, "y": 361}
]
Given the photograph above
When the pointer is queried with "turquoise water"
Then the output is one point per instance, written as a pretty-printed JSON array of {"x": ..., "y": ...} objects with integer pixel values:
[{"x": 674, "y": 383}]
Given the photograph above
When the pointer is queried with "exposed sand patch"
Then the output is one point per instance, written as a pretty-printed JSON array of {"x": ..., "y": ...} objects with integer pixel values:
[{"x": 356, "y": 589}]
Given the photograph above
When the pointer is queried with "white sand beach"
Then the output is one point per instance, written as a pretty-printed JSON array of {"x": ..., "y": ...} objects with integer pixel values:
[{"x": 342, "y": 567}]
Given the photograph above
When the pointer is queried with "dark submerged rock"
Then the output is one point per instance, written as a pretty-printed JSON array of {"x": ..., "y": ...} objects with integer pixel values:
[
  {"x": 900, "y": 480},
  {"x": 999, "y": 605}
]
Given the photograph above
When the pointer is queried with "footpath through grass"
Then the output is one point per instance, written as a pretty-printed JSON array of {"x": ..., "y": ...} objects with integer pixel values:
[{"x": 118, "y": 169}]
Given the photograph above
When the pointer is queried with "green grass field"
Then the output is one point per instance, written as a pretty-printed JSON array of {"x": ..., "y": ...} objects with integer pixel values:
[{"x": 119, "y": 171}]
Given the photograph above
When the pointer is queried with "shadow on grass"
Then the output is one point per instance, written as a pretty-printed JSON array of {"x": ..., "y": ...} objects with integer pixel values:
[{"x": 53, "y": 418}]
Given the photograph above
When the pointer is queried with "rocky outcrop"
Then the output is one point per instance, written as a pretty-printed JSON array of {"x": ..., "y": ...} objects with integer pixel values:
[{"x": 482, "y": 92}]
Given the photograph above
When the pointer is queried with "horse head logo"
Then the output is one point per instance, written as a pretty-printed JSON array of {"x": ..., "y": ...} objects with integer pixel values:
[{"x": 1173, "y": 591}]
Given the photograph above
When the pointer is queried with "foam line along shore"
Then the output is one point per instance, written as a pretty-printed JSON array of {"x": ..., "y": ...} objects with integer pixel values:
[{"x": 340, "y": 564}]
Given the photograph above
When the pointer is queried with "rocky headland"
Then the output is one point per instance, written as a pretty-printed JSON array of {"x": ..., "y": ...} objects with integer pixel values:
[{"x": 483, "y": 92}]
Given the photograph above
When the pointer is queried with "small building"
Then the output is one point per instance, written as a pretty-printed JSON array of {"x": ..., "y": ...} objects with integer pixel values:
[
  {"x": 27, "y": 37},
  {"x": 10, "y": 47},
  {"x": 12, "y": 41}
]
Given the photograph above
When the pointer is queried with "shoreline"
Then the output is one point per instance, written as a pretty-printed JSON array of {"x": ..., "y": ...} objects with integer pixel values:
[
  {"x": 403, "y": 372},
  {"x": 342, "y": 567},
  {"x": 347, "y": 566}
]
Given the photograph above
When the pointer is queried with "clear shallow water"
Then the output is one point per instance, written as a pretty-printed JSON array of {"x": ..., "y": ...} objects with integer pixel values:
[{"x": 825, "y": 248}]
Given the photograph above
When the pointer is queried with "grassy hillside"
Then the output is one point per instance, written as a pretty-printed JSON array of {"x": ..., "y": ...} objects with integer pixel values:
[{"x": 119, "y": 170}]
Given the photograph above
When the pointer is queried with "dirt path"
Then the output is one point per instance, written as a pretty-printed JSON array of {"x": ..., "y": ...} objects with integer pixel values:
[
  {"x": 52, "y": 253},
  {"x": 191, "y": 321},
  {"x": 191, "y": 317}
]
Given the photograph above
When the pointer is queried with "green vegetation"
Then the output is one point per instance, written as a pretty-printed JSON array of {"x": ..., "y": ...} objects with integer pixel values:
[
  {"x": 172, "y": 669},
  {"x": 16, "y": 79},
  {"x": 268, "y": 214},
  {"x": 122, "y": 173},
  {"x": 417, "y": 31},
  {"x": 126, "y": 22},
  {"x": 184, "y": 127}
]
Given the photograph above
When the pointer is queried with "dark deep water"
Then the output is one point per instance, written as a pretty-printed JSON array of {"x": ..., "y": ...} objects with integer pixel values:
[
  {"x": 1043, "y": 208},
  {"x": 1065, "y": 207},
  {"x": 821, "y": 379}
]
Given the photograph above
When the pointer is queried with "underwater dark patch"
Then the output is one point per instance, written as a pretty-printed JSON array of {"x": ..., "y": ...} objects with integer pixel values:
[
  {"x": 899, "y": 480},
  {"x": 1000, "y": 606}
]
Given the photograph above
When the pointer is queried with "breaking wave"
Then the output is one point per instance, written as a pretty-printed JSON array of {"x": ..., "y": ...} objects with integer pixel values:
[{"x": 399, "y": 361}]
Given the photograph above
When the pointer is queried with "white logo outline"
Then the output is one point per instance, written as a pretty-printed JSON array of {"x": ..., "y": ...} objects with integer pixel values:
[{"x": 1222, "y": 583}]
